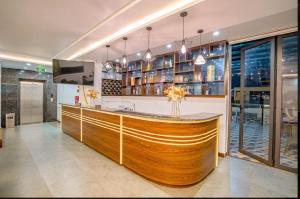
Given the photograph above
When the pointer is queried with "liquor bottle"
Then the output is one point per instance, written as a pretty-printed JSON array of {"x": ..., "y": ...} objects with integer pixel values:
[{"x": 210, "y": 73}]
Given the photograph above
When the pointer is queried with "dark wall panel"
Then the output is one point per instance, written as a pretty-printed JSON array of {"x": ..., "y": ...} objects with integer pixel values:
[{"x": 10, "y": 93}]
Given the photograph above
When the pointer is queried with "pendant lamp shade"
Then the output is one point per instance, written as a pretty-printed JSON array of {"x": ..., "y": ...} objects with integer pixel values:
[
  {"x": 124, "y": 58},
  {"x": 107, "y": 65},
  {"x": 183, "y": 45},
  {"x": 200, "y": 60},
  {"x": 148, "y": 54}
]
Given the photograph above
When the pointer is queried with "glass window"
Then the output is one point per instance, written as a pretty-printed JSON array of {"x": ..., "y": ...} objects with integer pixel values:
[{"x": 289, "y": 102}]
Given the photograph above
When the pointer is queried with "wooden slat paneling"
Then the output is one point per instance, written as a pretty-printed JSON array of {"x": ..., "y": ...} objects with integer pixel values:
[
  {"x": 102, "y": 139},
  {"x": 70, "y": 125},
  {"x": 175, "y": 163}
]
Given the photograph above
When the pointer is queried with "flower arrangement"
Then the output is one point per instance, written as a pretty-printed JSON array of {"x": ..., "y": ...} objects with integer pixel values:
[
  {"x": 175, "y": 95},
  {"x": 92, "y": 94}
]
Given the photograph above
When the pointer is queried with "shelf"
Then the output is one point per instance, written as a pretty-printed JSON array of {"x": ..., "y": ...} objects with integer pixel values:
[
  {"x": 163, "y": 82},
  {"x": 198, "y": 82},
  {"x": 164, "y": 68},
  {"x": 148, "y": 83},
  {"x": 183, "y": 82},
  {"x": 133, "y": 70},
  {"x": 186, "y": 61},
  {"x": 152, "y": 70},
  {"x": 188, "y": 71},
  {"x": 215, "y": 56}
]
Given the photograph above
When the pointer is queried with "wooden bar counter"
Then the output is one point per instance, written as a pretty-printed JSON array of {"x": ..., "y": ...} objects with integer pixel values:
[{"x": 173, "y": 151}]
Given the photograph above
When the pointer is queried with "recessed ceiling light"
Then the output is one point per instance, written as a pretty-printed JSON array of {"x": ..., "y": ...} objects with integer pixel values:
[
  {"x": 169, "y": 46},
  {"x": 28, "y": 64},
  {"x": 138, "y": 54},
  {"x": 117, "y": 60},
  {"x": 216, "y": 33}
]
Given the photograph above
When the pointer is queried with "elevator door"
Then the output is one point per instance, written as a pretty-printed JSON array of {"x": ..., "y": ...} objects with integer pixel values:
[{"x": 31, "y": 98}]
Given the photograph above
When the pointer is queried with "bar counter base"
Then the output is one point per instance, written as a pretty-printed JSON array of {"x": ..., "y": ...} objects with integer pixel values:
[{"x": 166, "y": 151}]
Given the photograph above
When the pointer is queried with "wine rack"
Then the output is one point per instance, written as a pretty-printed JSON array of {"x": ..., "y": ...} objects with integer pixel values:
[{"x": 111, "y": 87}]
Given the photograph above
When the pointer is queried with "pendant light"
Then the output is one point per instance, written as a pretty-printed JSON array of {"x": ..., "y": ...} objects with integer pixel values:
[
  {"x": 183, "y": 46},
  {"x": 148, "y": 54},
  {"x": 200, "y": 60},
  {"x": 108, "y": 64},
  {"x": 124, "y": 58}
]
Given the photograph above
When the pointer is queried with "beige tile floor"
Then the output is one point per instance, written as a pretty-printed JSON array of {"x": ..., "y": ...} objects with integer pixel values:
[{"x": 39, "y": 160}]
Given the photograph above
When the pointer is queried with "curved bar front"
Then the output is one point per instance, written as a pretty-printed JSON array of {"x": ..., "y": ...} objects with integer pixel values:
[{"x": 178, "y": 152}]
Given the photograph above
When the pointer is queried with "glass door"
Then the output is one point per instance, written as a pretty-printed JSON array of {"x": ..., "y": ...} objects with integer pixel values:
[
  {"x": 256, "y": 101},
  {"x": 286, "y": 150}
]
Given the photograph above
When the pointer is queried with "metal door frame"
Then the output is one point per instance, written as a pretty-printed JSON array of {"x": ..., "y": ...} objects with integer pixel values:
[
  {"x": 19, "y": 98},
  {"x": 270, "y": 160},
  {"x": 279, "y": 105}
]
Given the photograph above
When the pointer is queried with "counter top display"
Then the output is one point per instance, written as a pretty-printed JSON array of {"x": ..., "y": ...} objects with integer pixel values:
[
  {"x": 192, "y": 117},
  {"x": 173, "y": 151}
]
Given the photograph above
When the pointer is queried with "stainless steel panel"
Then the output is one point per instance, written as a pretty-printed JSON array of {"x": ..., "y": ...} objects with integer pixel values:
[{"x": 31, "y": 97}]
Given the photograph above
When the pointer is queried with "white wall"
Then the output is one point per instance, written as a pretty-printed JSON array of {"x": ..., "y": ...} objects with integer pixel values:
[
  {"x": 66, "y": 92},
  {"x": 66, "y": 95}
]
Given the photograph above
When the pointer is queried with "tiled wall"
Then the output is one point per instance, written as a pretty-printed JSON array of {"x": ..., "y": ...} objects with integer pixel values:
[{"x": 10, "y": 93}]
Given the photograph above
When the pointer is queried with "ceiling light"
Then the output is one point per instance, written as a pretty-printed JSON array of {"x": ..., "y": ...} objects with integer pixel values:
[
  {"x": 200, "y": 60},
  {"x": 216, "y": 33},
  {"x": 167, "y": 11},
  {"x": 183, "y": 47},
  {"x": 138, "y": 54},
  {"x": 124, "y": 58},
  {"x": 169, "y": 46},
  {"x": 108, "y": 64},
  {"x": 28, "y": 64},
  {"x": 117, "y": 60},
  {"x": 23, "y": 58},
  {"x": 148, "y": 54}
]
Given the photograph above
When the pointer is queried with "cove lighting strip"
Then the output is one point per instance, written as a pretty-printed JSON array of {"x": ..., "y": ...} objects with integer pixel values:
[
  {"x": 97, "y": 26},
  {"x": 23, "y": 58},
  {"x": 169, "y": 10}
]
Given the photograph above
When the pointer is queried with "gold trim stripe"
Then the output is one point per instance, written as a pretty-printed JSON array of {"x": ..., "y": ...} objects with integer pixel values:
[
  {"x": 75, "y": 117},
  {"x": 121, "y": 140},
  {"x": 175, "y": 144},
  {"x": 171, "y": 136},
  {"x": 70, "y": 113},
  {"x": 81, "y": 125},
  {"x": 102, "y": 125},
  {"x": 97, "y": 120},
  {"x": 172, "y": 140},
  {"x": 71, "y": 116}
]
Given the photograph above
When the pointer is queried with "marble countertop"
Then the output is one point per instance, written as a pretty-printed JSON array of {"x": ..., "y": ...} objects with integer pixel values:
[{"x": 192, "y": 117}]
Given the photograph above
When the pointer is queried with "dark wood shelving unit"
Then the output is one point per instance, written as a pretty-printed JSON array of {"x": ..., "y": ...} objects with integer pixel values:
[{"x": 140, "y": 78}]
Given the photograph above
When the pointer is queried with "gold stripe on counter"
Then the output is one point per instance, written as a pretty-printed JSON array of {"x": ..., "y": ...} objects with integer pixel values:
[
  {"x": 168, "y": 143},
  {"x": 172, "y": 140}
]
